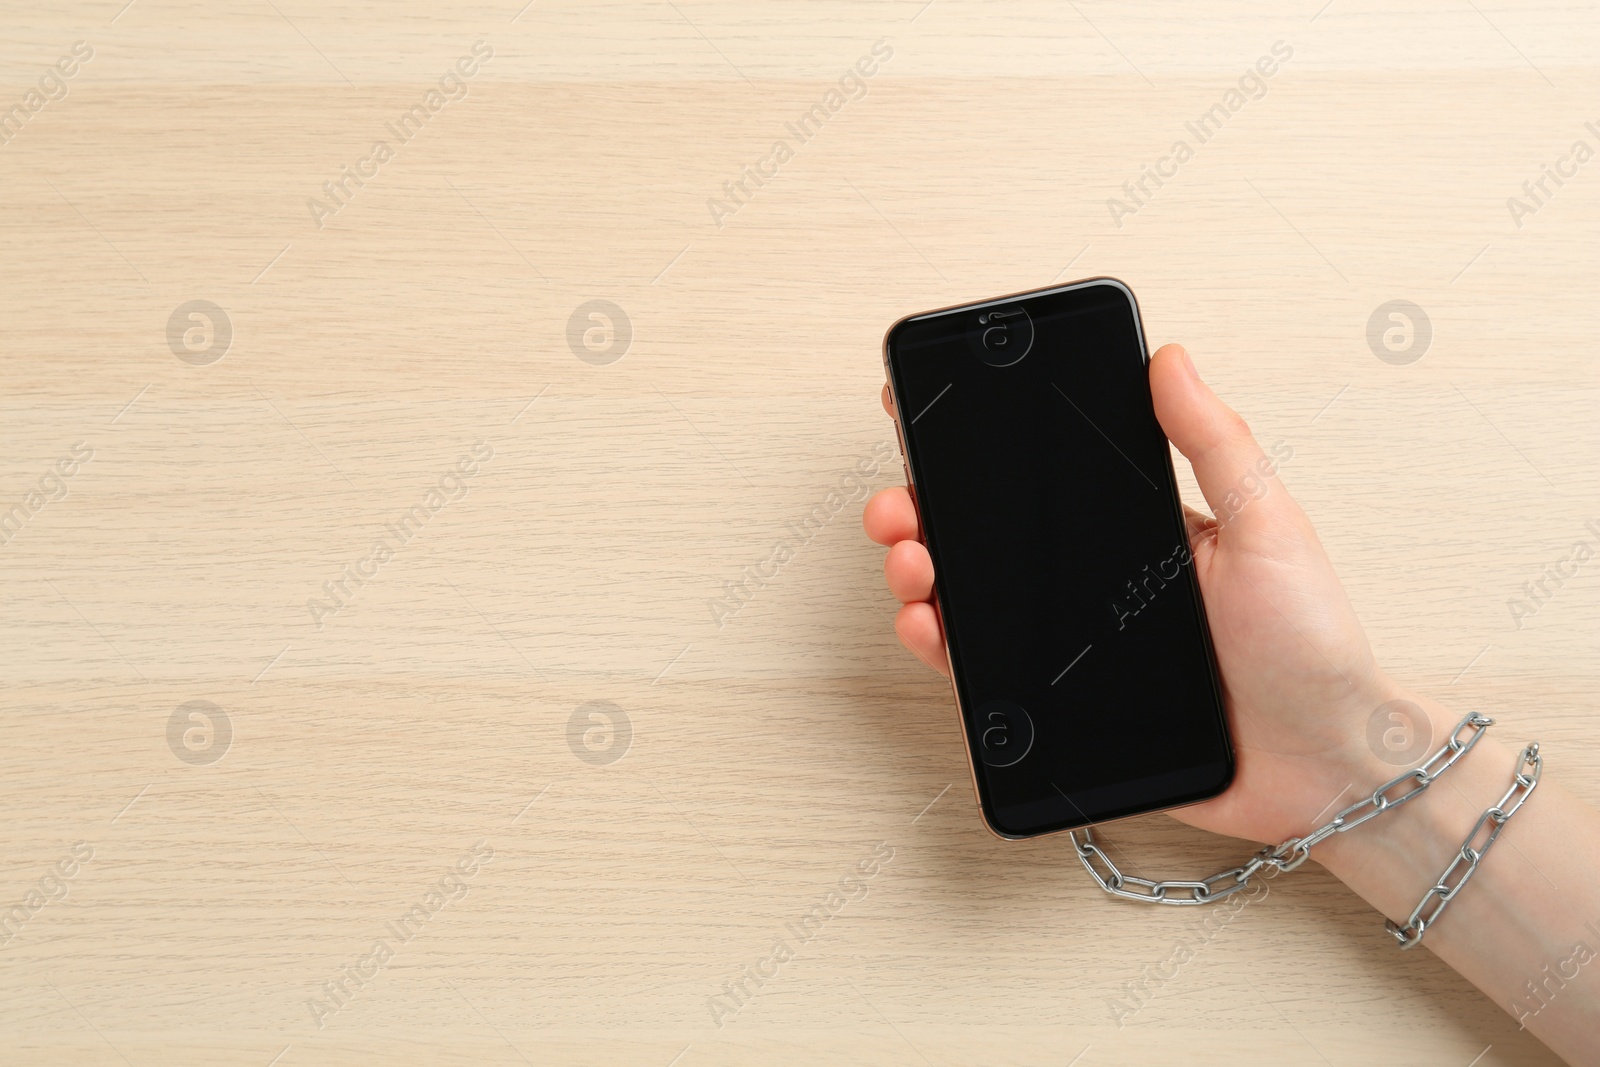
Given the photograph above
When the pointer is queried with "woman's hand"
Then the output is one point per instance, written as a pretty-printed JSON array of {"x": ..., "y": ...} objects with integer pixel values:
[{"x": 1298, "y": 675}]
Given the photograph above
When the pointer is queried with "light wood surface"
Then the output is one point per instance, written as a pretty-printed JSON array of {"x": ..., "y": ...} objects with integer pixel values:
[{"x": 775, "y": 749}]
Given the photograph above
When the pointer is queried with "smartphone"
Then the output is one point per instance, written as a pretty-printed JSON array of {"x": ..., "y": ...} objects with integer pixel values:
[{"x": 1080, "y": 657}]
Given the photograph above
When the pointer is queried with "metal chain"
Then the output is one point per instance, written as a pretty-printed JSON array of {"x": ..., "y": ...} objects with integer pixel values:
[
  {"x": 1293, "y": 852},
  {"x": 1433, "y": 902}
]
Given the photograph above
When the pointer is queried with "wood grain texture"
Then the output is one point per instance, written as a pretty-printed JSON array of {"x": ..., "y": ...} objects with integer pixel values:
[{"x": 772, "y": 749}]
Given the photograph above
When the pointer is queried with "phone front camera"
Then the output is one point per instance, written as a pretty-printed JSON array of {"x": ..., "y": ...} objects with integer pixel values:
[{"x": 1002, "y": 337}]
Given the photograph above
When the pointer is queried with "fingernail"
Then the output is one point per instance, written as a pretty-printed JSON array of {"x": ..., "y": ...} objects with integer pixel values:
[{"x": 1189, "y": 363}]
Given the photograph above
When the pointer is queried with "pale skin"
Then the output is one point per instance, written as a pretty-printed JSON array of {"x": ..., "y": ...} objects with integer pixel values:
[{"x": 1300, "y": 683}]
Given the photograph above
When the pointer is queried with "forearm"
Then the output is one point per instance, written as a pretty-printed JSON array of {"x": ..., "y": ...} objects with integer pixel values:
[{"x": 1526, "y": 929}]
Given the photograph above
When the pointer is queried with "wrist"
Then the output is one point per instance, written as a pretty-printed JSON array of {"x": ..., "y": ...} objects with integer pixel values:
[
  {"x": 1395, "y": 731},
  {"x": 1393, "y": 858},
  {"x": 1512, "y": 932}
]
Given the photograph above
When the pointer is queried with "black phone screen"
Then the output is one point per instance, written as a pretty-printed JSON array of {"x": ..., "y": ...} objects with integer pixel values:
[{"x": 1078, "y": 641}]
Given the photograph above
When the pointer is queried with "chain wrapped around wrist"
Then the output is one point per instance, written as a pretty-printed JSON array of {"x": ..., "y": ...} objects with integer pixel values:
[
  {"x": 1295, "y": 851},
  {"x": 1442, "y": 892}
]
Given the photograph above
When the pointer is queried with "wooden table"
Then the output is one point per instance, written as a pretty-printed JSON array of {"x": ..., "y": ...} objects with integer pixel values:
[{"x": 577, "y": 347}]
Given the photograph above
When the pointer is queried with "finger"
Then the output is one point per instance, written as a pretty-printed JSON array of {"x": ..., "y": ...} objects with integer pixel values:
[
  {"x": 1202, "y": 532},
  {"x": 1227, "y": 461},
  {"x": 909, "y": 572},
  {"x": 917, "y": 626},
  {"x": 1197, "y": 522},
  {"x": 890, "y": 517}
]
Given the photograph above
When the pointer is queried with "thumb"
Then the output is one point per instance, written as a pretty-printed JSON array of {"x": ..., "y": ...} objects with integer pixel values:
[{"x": 1228, "y": 463}]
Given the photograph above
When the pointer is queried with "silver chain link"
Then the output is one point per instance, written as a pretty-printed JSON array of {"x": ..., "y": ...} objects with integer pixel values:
[
  {"x": 1295, "y": 851},
  {"x": 1433, "y": 902}
]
